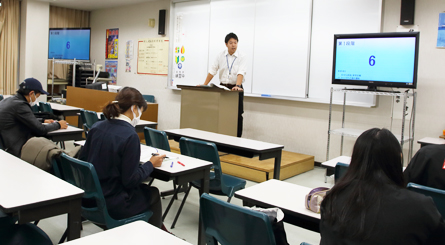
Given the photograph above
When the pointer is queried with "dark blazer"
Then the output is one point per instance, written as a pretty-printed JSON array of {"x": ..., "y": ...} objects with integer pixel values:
[
  {"x": 18, "y": 124},
  {"x": 427, "y": 167},
  {"x": 113, "y": 147},
  {"x": 404, "y": 217}
]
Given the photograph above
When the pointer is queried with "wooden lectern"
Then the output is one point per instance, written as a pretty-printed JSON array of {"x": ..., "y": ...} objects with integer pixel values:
[{"x": 210, "y": 109}]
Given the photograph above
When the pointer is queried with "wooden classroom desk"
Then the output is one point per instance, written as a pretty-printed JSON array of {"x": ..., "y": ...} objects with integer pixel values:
[
  {"x": 71, "y": 133},
  {"x": 138, "y": 232},
  {"x": 431, "y": 141},
  {"x": 141, "y": 124},
  {"x": 234, "y": 145},
  {"x": 94, "y": 100},
  {"x": 65, "y": 110},
  {"x": 330, "y": 165},
  {"x": 33, "y": 194},
  {"x": 286, "y": 196}
]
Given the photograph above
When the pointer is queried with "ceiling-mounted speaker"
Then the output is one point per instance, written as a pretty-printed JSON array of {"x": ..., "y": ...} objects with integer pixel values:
[
  {"x": 161, "y": 29},
  {"x": 407, "y": 12}
]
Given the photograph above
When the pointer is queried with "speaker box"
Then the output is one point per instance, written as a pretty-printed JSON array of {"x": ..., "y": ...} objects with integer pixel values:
[
  {"x": 407, "y": 12},
  {"x": 161, "y": 29}
]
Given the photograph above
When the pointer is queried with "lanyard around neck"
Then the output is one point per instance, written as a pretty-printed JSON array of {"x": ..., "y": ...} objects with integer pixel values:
[{"x": 230, "y": 68}]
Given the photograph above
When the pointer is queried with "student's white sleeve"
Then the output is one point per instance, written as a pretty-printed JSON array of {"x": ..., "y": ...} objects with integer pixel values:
[
  {"x": 242, "y": 66},
  {"x": 214, "y": 67}
]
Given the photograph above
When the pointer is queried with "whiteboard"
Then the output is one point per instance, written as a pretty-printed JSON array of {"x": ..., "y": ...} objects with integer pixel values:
[
  {"x": 288, "y": 43},
  {"x": 191, "y": 41},
  {"x": 338, "y": 17},
  {"x": 226, "y": 18},
  {"x": 281, "y": 48}
]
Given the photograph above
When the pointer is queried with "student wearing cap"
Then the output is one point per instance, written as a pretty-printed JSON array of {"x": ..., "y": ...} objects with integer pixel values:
[
  {"x": 17, "y": 121},
  {"x": 232, "y": 66}
]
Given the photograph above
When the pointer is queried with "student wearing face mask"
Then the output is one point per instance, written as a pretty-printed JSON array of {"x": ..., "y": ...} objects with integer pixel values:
[
  {"x": 17, "y": 121},
  {"x": 113, "y": 147}
]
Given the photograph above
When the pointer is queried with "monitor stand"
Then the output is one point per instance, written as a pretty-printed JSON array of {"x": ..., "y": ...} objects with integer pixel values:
[{"x": 372, "y": 89}]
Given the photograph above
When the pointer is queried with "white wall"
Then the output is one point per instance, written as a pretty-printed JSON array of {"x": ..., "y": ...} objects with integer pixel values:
[
  {"x": 34, "y": 30},
  {"x": 299, "y": 126},
  {"x": 132, "y": 22}
]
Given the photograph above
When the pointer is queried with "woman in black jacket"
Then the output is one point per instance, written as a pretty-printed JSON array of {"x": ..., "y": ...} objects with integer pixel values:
[
  {"x": 113, "y": 147},
  {"x": 370, "y": 204}
]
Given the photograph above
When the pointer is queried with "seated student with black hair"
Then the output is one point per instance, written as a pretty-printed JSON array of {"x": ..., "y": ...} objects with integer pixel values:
[
  {"x": 427, "y": 167},
  {"x": 370, "y": 204},
  {"x": 17, "y": 121},
  {"x": 113, "y": 147}
]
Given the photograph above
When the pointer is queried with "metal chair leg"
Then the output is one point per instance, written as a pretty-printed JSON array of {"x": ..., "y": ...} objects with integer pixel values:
[
  {"x": 180, "y": 207},
  {"x": 170, "y": 204}
]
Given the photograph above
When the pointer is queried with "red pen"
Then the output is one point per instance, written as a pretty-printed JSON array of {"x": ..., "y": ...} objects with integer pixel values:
[{"x": 181, "y": 163}]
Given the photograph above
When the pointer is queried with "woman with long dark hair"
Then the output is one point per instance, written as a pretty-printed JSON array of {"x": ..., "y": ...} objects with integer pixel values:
[
  {"x": 113, "y": 147},
  {"x": 370, "y": 204}
]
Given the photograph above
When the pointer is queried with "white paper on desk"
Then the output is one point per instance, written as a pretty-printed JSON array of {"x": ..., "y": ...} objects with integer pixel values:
[
  {"x": 147, "y": 154},
  {"x": 219, "y": 86}
]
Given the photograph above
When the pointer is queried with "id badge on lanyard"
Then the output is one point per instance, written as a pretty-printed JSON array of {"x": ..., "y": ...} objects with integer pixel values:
[{"x": 230, "y": 67}]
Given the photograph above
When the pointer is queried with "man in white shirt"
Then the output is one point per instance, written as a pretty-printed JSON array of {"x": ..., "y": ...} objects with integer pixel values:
[{"x": 232, "y": 66}]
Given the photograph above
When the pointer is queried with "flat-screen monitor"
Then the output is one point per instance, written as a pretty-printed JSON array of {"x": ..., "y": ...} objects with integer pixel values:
[
  {"x": 376, "y": 59},
  {"x": 69, "y": 43},
  {"x": 98, "y": 86}
]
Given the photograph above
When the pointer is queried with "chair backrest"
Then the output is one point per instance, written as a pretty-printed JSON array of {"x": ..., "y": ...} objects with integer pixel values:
[
  {"x": 340, "y": 170},
  {"x": 156, "y": 138},
  {"x": 83, "y": 175},
  {"x": 82, "y": 115},
  {"x": 232, "y": 224},
  {"x": 35, "y": 109},
  {"x": 149, "y": 98},
  {"x": 45, "y": 107},
  {"x": 437, "y": 195},
  {"x": 89, "y": 117},
  {"x": 1, "y": 97},
  {"x": 205, "y": 151},
  {"x": 27, "y": 233}
]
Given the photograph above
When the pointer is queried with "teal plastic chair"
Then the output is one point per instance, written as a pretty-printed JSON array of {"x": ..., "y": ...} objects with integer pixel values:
[
  {"x": 89, "y": 118},
  {"x": 149, "y": 98},
  {"x": 230, "y": 224},
  {"x": 35, "y": 109},
  {"x": 437, "y": 195},
  {"x": 156, "y": 138},
  {"x": 1, "y": 97},
  {"x": 12, "y": 233},
  {"x": 219, "y": 184},
  {"x": 340, "y": 170},
  {"x": 83, "y": 175},
  {"x": 45, "y": 107}
]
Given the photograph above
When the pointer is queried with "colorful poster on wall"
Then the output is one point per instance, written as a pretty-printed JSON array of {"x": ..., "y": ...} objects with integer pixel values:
[
  {"x": 127, "y": 65},
  {"x": 441, "y": 31},
  {"x": 129, "y": 49},
  {"x": 153, "y": 56},
  {"x": 179, "y": 58},
  {"x": 112, "y": 41},
  {"x": 111, "y": 68}
]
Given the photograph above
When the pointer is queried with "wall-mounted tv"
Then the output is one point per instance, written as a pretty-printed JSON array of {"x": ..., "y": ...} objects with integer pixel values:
[
  {"x": 376, "y": 59},
  {"x": 69, "y": 43}
]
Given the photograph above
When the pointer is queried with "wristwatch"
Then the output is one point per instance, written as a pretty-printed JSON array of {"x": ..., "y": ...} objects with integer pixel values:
[{"x": 239, "y": 86}]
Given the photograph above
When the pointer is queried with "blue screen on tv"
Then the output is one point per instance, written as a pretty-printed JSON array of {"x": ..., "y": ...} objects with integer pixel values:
[
  {"x": 68, "y": 44},
  {"x": 384, "y": 60}
]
